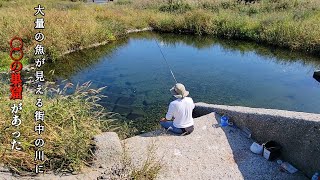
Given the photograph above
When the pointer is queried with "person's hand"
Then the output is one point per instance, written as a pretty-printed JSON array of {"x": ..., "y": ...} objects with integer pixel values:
[{"x": 163, "y": 119}]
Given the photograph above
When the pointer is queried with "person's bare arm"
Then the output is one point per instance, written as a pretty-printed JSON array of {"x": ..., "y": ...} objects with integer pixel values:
[{"x": 164, "y": 119}]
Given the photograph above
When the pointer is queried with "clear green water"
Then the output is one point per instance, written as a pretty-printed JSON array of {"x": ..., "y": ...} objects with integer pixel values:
[{"x": 214, "y": 71}]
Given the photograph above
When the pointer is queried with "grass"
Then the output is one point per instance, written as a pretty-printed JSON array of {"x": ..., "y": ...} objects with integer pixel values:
[
  {"x": 71, "y": 121},
  {"x": 175, "y": 7},
  {"x": 148, "y": 169}
]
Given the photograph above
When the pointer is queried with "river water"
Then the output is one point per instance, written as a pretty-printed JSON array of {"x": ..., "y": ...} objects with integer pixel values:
[{"x": 213, "y": 70}]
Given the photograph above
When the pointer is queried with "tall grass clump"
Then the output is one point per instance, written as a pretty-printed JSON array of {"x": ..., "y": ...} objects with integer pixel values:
[
  {"x": 175, "y": 6},
  {"x": 148, "y": 169},
  {"x": 71, "y": 121},
  {"x": 81, "y": 26},
  {"x": 289, "y": 24}
]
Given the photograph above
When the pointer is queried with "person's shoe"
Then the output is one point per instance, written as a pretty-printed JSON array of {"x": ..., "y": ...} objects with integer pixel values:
[{"x": 185, "y": 133}]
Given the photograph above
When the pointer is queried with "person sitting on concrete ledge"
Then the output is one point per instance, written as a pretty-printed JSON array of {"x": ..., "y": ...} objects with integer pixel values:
[{"x": 181, "y": 112}]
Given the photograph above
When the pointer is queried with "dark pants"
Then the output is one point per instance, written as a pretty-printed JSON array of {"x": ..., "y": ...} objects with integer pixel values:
[{"x": 170, "y": 127}]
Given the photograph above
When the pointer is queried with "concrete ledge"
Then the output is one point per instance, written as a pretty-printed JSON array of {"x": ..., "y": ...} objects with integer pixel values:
[
  {"x": 109, "y": 150},
  {"x": 297, "y": 132}
]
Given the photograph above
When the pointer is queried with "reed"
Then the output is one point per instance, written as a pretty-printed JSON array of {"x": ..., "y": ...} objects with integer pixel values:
[{"x": 70, "y": 122}]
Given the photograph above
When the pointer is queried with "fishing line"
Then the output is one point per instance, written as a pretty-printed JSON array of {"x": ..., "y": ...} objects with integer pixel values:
[{"x": 167, "y": 62}]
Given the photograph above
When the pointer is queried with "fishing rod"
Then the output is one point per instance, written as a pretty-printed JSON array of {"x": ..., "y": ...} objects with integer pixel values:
[{"x": 166, "y": 62}]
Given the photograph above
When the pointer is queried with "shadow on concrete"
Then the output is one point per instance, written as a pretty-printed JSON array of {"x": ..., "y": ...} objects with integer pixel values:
[
  {"x": 316, "y": 76},
  {"x": 159, "y": 132},
  {"x": 252, "y": 165}
]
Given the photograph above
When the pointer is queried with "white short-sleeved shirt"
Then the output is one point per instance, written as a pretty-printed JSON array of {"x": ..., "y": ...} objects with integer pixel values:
[{"x": 181, "y": 111}]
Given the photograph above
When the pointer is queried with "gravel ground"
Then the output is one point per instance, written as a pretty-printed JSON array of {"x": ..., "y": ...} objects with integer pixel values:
[{"x": 208, "y": 153}]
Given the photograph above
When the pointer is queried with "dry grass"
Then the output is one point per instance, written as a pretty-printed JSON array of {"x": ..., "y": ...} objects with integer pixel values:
[
  {"x": 126, "y": 170},
  {"x": 291, "y": 24},
  {"x": 71, "y": 121},
  {"x": 66, "y": 28}
]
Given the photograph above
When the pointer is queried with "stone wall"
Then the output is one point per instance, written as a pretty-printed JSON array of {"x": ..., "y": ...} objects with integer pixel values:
[{"x": 298, "y": 133}]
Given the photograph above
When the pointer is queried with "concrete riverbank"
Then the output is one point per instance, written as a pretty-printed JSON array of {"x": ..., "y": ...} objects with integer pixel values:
[
  {"x": 212, "y": 152},
  {"x": 207, "y": 153},
  {"x": 297, "y": 132}
]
